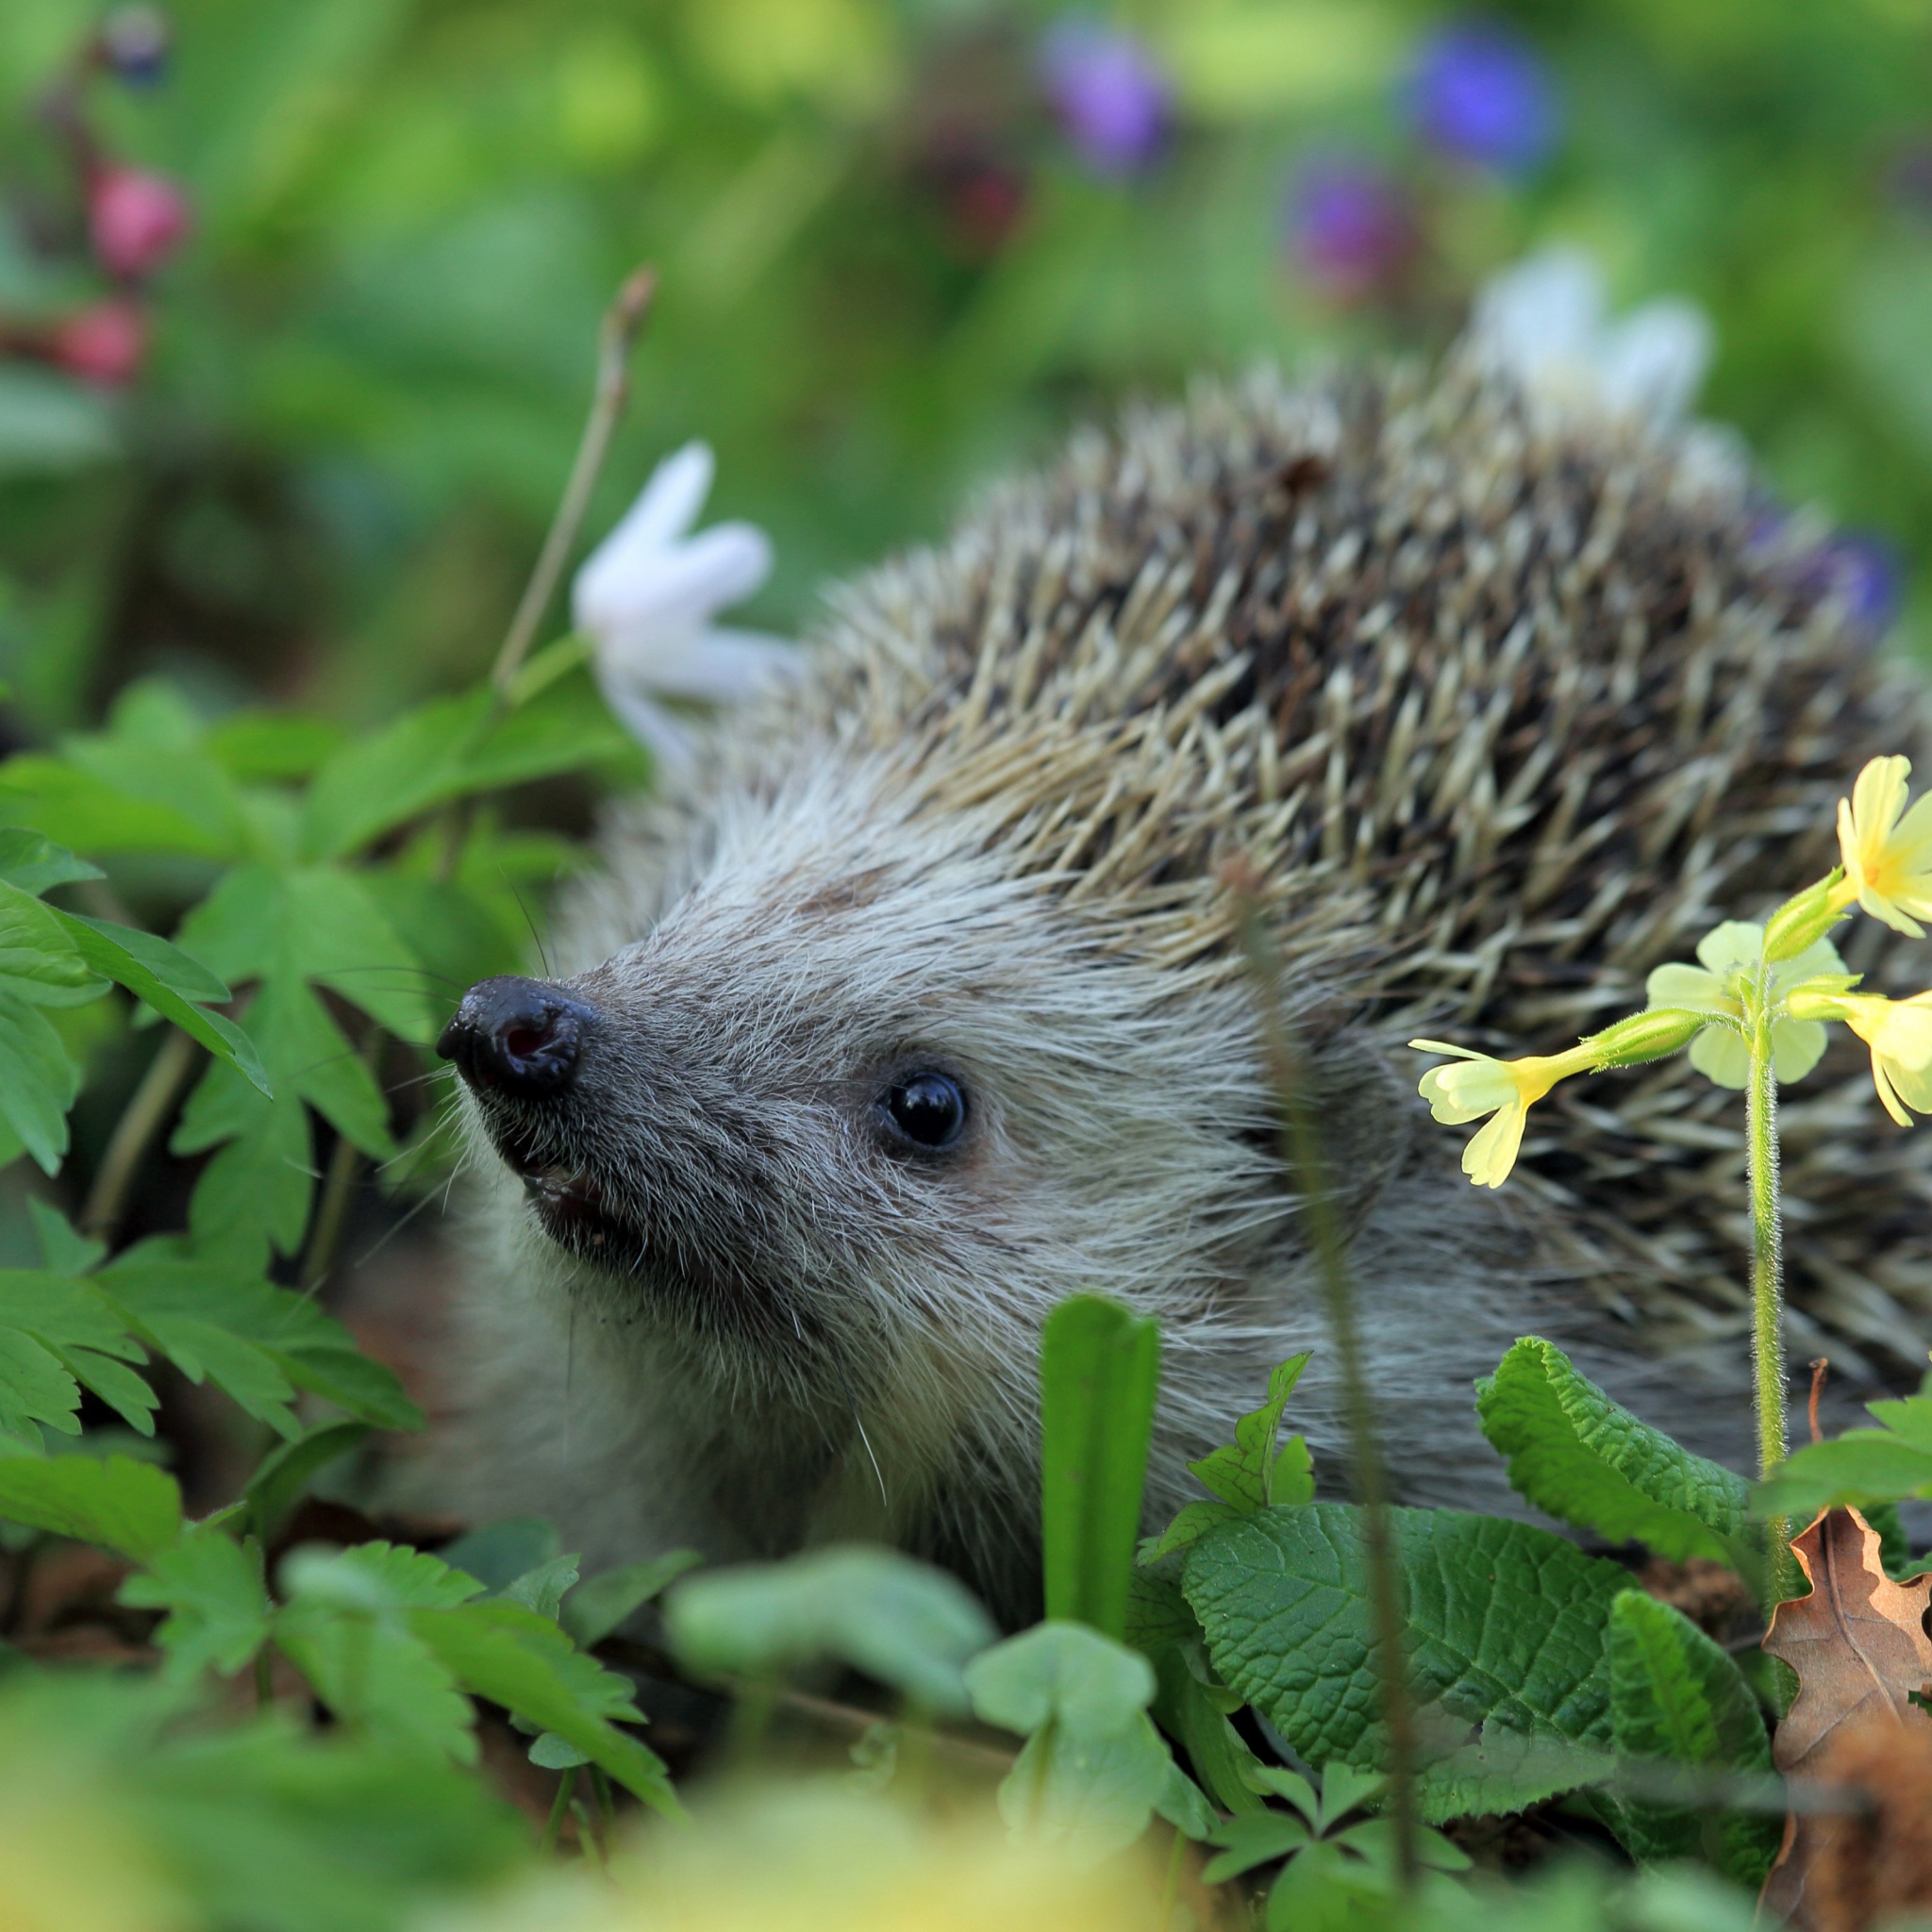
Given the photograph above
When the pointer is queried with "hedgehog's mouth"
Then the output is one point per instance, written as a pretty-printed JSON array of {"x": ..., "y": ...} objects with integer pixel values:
[{"x": 570, "y": 1203}]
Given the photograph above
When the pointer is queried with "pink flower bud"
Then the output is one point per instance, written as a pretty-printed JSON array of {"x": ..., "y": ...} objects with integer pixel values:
[
  {"x": 138, "y": 220},
  {"x": 103, "y": 344}
]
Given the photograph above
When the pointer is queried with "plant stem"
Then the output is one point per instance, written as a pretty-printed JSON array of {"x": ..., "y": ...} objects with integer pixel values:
[
  {"x": 566, "y": 1784},
  {"x": 1767, "y": 1287},
  {"x": 1170, "y": 1893},
  {"x": 147, "y": 1112},
  {"x": 332, "y": 1212},
  {"x": 1301, "y": 1151},
  {"x": 622, "y": 321}
]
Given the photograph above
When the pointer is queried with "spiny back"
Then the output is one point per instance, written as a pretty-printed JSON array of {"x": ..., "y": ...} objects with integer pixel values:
[{"x": 1507, "y": 709}]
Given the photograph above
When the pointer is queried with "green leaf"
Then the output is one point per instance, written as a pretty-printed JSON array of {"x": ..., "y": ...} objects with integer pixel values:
[
  {"x": 36, "y": 864},
  {"x": 378, "y": 1576},
  {"x": 146, "y": 784},
  {"x": 167, "y": 979},
  {"x": 1506, "y": 1631},
  {"x": 541, "y": 1590},
  {"x": 1677, "y": 1697},
  {"x": 379, "y": 1677},
  {"x": 256, "y": 1341},
  {"x": 1259, "y": 1838},
  {"x": 219, "y": 1613},
  {"x": 1098, "y": 1369},
  {"x": 496, "y": 1554},
  {"x": 1590, "y": 1462},
  {"x": 1250, "y": 1474},
  {"x": 897, "y": 1620},
  {"x": 58, "y": 1334},
  {"x": 252, "y": 746},
  {"x": 131, "y": 1507},
  {"x": 39, "y": 1079},
  {"x": 1094, "y": 1767},
  {"x": 1189, "y": 1714},
  {"x": 377, "y": 782},
  {"x": 599, "y": 1604},
  {"x": 526, "y": 1663},
  {"x": 1887, "y": 1464},
  {"x": 281, "y": 1476}
]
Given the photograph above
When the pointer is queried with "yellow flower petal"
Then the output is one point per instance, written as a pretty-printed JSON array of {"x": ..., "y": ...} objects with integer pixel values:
[
  {"x": 1887, "y": 851},
  {"x": 1488, "y": 1157}
]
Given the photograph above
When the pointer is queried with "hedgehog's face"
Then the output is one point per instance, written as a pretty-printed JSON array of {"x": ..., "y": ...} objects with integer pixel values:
[{"x": 847, "y": 1085}]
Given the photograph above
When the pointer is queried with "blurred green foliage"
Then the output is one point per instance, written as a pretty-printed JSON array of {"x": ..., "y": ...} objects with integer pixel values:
[{"x": 886, "y": 274}]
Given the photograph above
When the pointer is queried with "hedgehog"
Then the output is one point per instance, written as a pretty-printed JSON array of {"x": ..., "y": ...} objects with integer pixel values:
[{"x": 918, "y": 1003}]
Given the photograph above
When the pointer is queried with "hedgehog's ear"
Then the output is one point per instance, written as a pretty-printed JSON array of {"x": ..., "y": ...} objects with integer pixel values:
[{"x": 1364, "y": 1117}]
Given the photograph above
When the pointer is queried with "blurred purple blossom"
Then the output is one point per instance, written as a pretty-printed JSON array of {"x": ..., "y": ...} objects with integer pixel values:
[
  {"x": 1480, "y": 94},
  {"x": 1351, "y": 227},
  {"x": 1112, "y": 99},
  {"x": 1866, "y": 574},
  {"x": 133, "y": 43}
]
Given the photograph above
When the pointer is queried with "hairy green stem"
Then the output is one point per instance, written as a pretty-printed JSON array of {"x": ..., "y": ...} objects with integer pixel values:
[
  {"x": 1301, "y": 1151},
  {"x": 1767, "y": 1287},
  {"x": 622, "y": 321}
]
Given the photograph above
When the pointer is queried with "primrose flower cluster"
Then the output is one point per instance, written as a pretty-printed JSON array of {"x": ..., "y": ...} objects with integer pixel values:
[{"x": 1759, "y": 996}]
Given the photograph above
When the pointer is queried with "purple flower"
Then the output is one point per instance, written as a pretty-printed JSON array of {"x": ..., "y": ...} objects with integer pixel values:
[
  {"x": 1481, "y": 94},
  {"x": 133, "y": 43},
  {"x": 1349, "y": 226},
  {"x": 1864, "y": 573},
  {"x": 1113, "y": 101}
]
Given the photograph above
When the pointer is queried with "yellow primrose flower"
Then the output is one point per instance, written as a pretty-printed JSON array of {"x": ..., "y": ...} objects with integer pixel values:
[
  {"x": 1477, "y": 1085},
  {"x": 1730, "y": 953},
  {"x": 1899, "y": 1032},
  {"x": 1887, "y": 850}
]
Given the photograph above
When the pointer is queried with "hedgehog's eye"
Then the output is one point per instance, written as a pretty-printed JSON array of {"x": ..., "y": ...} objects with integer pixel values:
[{"x": 929, "y": 1108}]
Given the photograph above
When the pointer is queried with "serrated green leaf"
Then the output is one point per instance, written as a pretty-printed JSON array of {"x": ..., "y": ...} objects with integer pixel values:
[
  {"x": 379, "y": 1677},
  {"x": 1677, "y": 1697},
  {"x": 898, "y": 1620},
  {"x": 39, "y": 1080},
  {"x": 218, "y": 1611},
  {"x": 378, "y": 1577},
  {"x": 519, "y": 1660},
  {"x": 36, "y": 864},
  {"x": 1887, "y": 1464},
  {"x": 599, "y": 1604},
  {"x": 176, "y": 986},
  {"x": 409, "y": 766},
  {"x": 1588, "y": 1461},
  {"x": 64, "y": 1250},
  {"x": 102, "y": 796},
  {"x": 56, "y": 1331},
  {"x": 1249, "y": 1473},
  {"x": 542, "y": 1588},
  {"x": 128, "y": 1507},
  {"x": 1099, "y": 1368},
  {"x": 256, "y": 1341},
  {"x": 1506, "y": 1627}
]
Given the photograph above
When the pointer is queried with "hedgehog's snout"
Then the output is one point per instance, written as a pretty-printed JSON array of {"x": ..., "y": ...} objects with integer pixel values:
[{"x": 518, "y": 1037}]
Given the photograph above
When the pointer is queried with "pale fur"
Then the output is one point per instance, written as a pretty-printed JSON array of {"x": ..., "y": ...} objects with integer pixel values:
[{"x": 993, "y": 834}]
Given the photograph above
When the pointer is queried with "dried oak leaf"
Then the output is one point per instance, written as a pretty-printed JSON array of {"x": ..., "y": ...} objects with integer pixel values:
[{"x": 1859, "y": 1647}]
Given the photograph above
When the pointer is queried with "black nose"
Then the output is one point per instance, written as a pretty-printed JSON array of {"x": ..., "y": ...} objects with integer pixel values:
[{"x": 517, "y": 1035}]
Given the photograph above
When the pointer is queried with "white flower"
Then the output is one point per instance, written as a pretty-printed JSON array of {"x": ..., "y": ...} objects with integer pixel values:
[
  {"x": 647, "y": 595},
  {"x": 1545, "y": 321}
]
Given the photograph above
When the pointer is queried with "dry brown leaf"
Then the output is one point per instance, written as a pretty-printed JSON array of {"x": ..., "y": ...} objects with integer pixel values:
[{"x": 1859, "y": 1647}]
